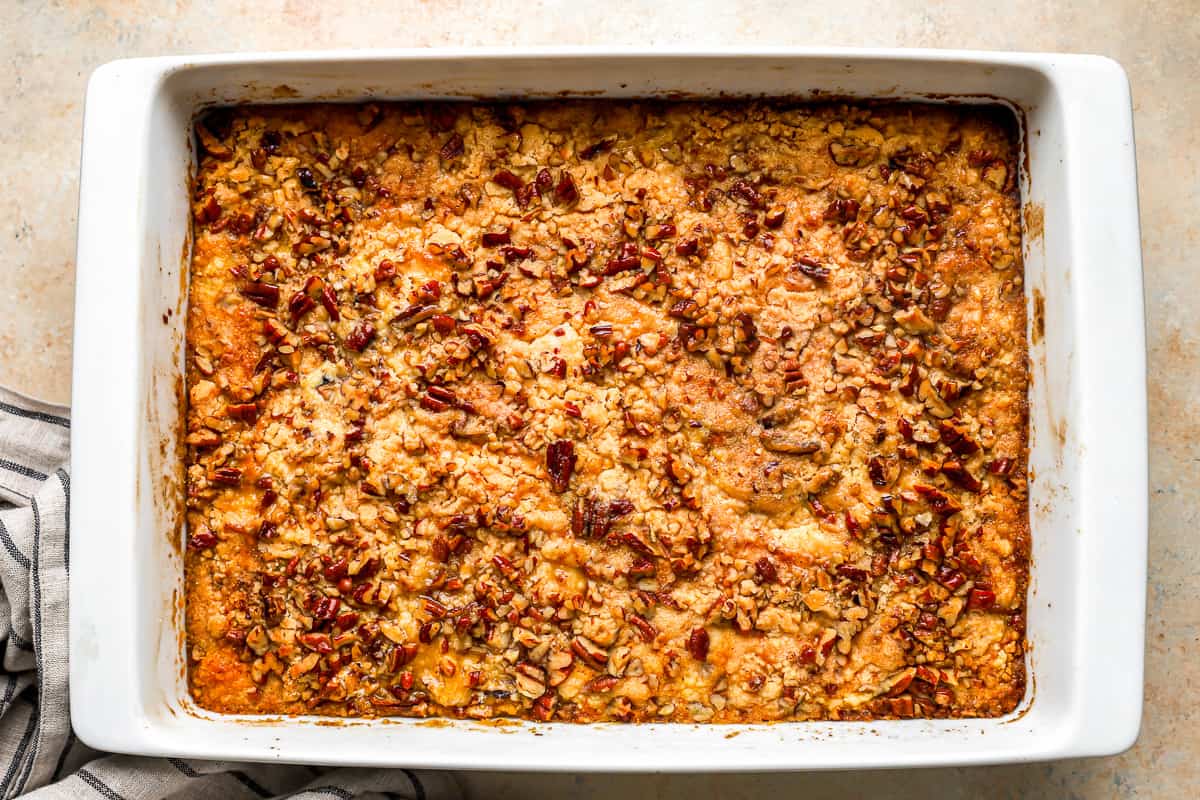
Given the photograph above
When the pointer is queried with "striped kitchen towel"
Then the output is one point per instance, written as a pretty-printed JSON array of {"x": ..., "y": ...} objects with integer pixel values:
[{"x": 39, "y": 755}]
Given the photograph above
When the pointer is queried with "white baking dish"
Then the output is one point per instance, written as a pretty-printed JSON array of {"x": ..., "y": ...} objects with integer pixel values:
[{"x": 1088, "y": 408}]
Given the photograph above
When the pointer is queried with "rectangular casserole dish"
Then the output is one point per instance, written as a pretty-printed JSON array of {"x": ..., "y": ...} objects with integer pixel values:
[{"x": 1087, "y": 408}]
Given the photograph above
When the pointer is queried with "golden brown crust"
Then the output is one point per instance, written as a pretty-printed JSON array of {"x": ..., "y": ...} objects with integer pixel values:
[{"x": 597, "y": 411}]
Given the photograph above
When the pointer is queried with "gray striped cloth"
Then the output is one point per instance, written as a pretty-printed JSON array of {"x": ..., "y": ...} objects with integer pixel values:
[{"x": 39, "y": 754}]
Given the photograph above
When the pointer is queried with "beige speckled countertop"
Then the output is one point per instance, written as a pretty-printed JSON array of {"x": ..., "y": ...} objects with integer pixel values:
[{"x": 48, "y": 50}]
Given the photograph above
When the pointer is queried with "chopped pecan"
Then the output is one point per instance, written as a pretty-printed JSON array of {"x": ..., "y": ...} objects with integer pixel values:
[
  {"x": 596, "y": 148},
  {"x": 560, "y": 463},
  {"x": 566, "y": 191},
  {"x": 589, "y": 651},
  {"x": 811, "y": 268},
  {"x": 202, "y": 539},
  {"x": 938, "y": 501},
  {"x": 983, "y": 599},
  {"x": 229, "y": 476},
  {"x": 647, "y": 631},
  {"x": 780, "y": 441},
  {"x": 531, "y": 679},
  {"x": 414, "y": 314},
  {"x": 955, "y": 436},
  {"x": 852, "y": 153},
  {"x": 955, "y": 471},
  {"x": 361, "y": 336},
  {"x": 264, "y": 294},
  {"x": 842, "y": 210},
  {"x": 697, "y": 644},
  {"x": 508, "y": 180},
  {"x": 452, "y": 149},
  {"x": 765, "y": 570},
  {"x": 496, "y": 238}
]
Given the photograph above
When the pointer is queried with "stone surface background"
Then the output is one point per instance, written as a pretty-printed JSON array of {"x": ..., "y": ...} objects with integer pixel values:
[{"x": 48, "y": 49}]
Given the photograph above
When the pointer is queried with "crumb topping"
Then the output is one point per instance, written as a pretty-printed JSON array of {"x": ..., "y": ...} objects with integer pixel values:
[{"x": 582, "y": 411}]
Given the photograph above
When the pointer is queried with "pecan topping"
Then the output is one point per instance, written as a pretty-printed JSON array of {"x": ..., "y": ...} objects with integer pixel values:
[{"x": 646, "y": 412}]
